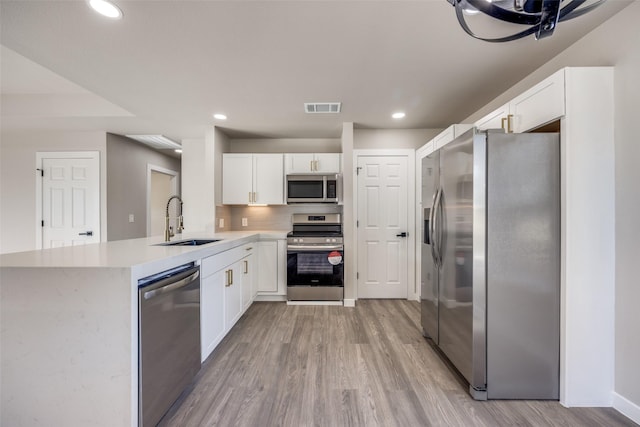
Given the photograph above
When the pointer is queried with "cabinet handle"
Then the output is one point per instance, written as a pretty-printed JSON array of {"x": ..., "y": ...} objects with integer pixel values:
[
  {"x": 502, "y": 123},
  {"x": 510, "y": 123},
  {"x": 255, "y": 197},
  {"x": 249, "y": 196},
  {"x": 315, "y": 165},
  {"x": 311, "y": 165},
  {"x": 231, "y": 274},
  {"x": 246, "y": 267},
  {"x": 228, "y": 278},
  {"x": 249, "y": 248}
]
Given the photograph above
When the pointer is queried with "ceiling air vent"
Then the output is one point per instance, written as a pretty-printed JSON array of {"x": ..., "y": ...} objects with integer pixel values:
[
  {"x": 322, "y": 107},
  {"x": 159, "y": 142}
]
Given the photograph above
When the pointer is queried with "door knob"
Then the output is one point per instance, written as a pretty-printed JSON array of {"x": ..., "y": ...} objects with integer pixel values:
[
  {"x": 86, "y": 233},
  {"x": 403, "y": 234}
]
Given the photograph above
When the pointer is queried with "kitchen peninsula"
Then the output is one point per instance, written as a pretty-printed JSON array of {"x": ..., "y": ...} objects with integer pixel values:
[{"x": 69, "y": 326}]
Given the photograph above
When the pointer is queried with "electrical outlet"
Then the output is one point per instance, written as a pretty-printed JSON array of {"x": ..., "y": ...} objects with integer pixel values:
[
  {"x": 221, "y": 223},
  {"x": 245, "y": 222},
  {"x": 132, "y": 218}
]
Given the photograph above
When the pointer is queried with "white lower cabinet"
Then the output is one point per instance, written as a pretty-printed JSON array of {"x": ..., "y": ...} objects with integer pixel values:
[
  {"x": 232, "y": 295},
  {"x": 211, "y": 312},
  {"x": 272, "y": 265},
  {"x": 225, "y": 294},
  {"x": 249, "y": 285},
  {"x": 268, "y": 261}
]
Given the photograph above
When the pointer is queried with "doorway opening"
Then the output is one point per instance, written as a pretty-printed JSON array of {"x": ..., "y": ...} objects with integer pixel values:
[{"x": 162, "y": 183}]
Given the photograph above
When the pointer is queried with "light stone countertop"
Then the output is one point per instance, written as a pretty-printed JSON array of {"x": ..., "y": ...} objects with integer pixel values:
[{"x": 143, "y": 256}]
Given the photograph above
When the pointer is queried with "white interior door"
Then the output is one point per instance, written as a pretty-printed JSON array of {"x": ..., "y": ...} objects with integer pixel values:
[
  {"x": 382, "y": 218},
  {"x": 70, "y": 200}
]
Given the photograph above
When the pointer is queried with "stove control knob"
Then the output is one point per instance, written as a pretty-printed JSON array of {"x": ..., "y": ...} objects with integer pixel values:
[
  {"x": 295, "y": 240},
  {"x": 333, "y": 240},
  {"x": 328, "y": 240}
]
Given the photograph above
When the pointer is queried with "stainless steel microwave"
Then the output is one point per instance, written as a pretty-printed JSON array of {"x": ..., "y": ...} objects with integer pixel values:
[{"x": 316, "y": 188}]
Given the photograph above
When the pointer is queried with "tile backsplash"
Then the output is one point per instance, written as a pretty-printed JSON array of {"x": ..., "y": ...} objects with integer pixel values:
[{"x": 266, "y": 217}]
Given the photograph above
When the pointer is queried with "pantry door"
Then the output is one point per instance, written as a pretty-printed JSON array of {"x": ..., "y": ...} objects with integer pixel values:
[
  {"x": 382, "y": 226},
  {"x": 69, "y": 192}
]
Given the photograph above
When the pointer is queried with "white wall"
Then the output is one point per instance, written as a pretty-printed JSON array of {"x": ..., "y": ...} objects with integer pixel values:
[
  {"x": 18, "y": 181},
  {"x": 285, "y": 145},
  {"x": 616, "y": 43},
  {"x": 392, "y": 138},
  {"x": 348, "y": 214}
]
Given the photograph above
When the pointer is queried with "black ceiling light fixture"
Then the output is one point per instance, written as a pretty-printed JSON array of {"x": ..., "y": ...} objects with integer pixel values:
[{"x": 541, "y": 16}]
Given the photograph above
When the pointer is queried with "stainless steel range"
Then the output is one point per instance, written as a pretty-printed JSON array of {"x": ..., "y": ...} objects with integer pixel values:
[{"x": 315, "y": 258}]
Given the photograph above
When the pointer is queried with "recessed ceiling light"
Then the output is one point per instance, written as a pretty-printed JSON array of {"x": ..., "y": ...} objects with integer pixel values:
[
  {"x": 220, "y": 117},
  {"x": 106, "y": 8},
  {"x": 398, "y": 115}
]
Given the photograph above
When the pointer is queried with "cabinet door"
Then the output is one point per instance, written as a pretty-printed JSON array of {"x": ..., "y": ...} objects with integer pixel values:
[
  {"x": 539, "y": 105},
  {"x": 248, "y": 279},
  {"x": 327, "y": 163},
  {"x": 232, "y": 295},
  {"x": 212, "y": 326},
  {"x": 282, "y": 267},
  {"x": 493, "y": 120},
  {"x": 299, "y": 162},
  {"x": 268, "y": 266},
  {"x": 237, "y": 178},
  {"x": 268, "y": 178},
  {"x": 443, "y": 138}
]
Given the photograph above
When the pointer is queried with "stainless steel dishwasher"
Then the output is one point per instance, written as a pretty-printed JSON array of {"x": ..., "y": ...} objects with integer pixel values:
[{"x": 169, "y": 338}]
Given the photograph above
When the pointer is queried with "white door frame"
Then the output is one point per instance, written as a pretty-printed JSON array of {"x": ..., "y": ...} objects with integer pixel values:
[
  {"x": 40, "y": 156},
  {"x": 175, "y": 185},
  {"x": 412, "y": 291}
]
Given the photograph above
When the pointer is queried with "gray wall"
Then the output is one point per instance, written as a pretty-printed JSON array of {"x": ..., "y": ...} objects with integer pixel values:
[
  {"x": 616, "y": 43},
  {"x": 127, "y": 162},
  {"x": 18, "y": 181}
]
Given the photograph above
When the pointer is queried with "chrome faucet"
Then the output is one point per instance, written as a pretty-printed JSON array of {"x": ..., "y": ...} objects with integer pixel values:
[{"x": 168, "y": 232}]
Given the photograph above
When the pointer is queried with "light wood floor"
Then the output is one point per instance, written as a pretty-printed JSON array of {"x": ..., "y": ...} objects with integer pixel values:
[{"x": 334, "y": 366}]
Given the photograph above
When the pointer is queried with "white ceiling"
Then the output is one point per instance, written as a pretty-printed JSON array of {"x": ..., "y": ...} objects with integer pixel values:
[{"x": 167, "y": 66}]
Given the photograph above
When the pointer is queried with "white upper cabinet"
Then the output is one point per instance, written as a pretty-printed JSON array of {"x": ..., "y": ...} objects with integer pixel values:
[
  {"x": 312, "y": 163},
  {"x": 252, "y": 178},
  {"x": 449, "y": 134},
  {"x": 535, "y": 107}
]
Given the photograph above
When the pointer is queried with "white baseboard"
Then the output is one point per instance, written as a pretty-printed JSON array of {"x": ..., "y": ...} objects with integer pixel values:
[
  {"x": 270, "y": 298},
  {"x": 349, "y": 302},
  {"x": 314, "y": 302},
  {"x": 626, "y": 408}
]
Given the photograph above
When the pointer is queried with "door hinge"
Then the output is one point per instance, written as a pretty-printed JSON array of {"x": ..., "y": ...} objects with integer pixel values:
[
  {"x": 357, "y": 276},
  {"x": 42, "y": 222},
  {"x": 41, "y": 171},
  {"x": 358, "y": 170}
]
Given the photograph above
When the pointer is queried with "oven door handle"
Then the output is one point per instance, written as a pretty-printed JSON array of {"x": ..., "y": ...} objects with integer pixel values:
[{"x": 315, "y": 248}]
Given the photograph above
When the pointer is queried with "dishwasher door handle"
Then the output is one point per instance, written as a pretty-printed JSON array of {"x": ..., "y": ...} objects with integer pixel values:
[{"x": 172, "y": 286}]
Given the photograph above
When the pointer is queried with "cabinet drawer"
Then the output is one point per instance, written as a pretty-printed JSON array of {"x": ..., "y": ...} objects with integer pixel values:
[{"x": 216, "y": 262}]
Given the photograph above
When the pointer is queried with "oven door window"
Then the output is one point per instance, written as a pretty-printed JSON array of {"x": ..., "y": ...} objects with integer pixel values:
[{"x": 315, "y": 268}]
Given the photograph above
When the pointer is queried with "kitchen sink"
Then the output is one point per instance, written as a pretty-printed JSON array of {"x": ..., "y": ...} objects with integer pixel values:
[{"x": 189, "y": 242}]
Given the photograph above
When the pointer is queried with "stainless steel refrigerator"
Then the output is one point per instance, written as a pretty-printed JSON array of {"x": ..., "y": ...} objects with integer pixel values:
[{"x": 491, "y": 261}]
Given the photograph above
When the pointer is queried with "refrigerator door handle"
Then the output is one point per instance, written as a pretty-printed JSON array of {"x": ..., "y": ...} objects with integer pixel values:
[
  {"x": 435, "y": 234},
  {"x": 430, "y": 230}
]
